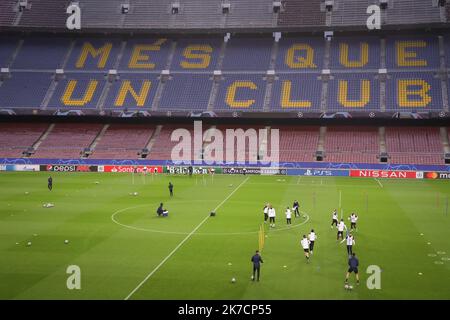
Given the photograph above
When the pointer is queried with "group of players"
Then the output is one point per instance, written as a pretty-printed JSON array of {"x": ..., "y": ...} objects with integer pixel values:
[
  {"x": 307, "y": 242},
  {"x": 270, "y": 214}
]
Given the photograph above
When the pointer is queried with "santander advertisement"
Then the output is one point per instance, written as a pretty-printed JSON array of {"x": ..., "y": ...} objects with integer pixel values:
[
  {"x": 386, "y": 174},
  {"x": 136, "y": 169}
]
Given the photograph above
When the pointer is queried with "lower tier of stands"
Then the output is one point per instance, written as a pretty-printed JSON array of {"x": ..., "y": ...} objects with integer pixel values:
[{"x": 403, "y": 145}]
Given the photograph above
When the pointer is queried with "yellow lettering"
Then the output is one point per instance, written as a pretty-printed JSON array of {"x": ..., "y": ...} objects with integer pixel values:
[
  {"x": 68, "y": 100},
  {"x": 406, "y": 58},
  {"x": 405, "y": 91},
  {"x": 300, "y": 62},
  {"x": 189, "y": 53},
  {"x": 140, "y": 60},
  {"x": 140, "y": 97},
  {"x": 231, "y": 94},
  {"x": 363, "y": 59},
  {"x": 88, "y": 49},
  {"x": 286, "y": 101},
  {"x": 364, "y": 96}
]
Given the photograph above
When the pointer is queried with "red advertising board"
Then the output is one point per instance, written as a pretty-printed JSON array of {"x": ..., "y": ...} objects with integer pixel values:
[
  {"x": 437, "y": 175},
  {"x": 136, "y": 169},
  {"x": 386, "y": 174}
]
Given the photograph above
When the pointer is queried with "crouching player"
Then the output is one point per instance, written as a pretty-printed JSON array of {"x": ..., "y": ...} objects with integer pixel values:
[{"x": 162, "y": 212}]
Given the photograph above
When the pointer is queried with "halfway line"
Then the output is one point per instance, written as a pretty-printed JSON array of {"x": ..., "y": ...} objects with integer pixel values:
[{"x": 181, "y": 243}]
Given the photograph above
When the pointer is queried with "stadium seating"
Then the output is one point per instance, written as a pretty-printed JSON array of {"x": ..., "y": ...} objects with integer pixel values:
[
  {"x": 93, "y": 54},
  {"x": 67, "y": 141},
  {"x": 17, "y": 137},
  {"x": 93, "y": 9},
  {"x": 197, "y": 13},
  {"x": 241, "y": 92},
  {"x": 45, "y": 14},
  {"x": 298, "y": 143},
  {"x": 413, "y": 92},
  {"x": 297, "y": 93},
  {"x": 145, "y": 55},
  {"x": 24, "y": 90},
  {"x": 244, "y": 54},
  {"x": 196, "y": 54},
  {"x": 413, "y": 80},
  {"x": 353, "y": 92},
  {"x": 414, "y": 145},
  {"x": 42, "y": 53},
  {"x": 246, "y": 153},
  {"x": 7, "y": 48},
  {"x": 186, "y": 92},
  {"x": 250, "y": 14},
  {"x": 78, "y": 90},
  {"x": 413, "y": 53},
  {"x": 355, "y": 53},
  {"x": 163, "y": 145},
  {"x": 300, "y": 55},
  {"x": 207, "y": 14},
  {"x": 7, "y": 12},
  {"x": 122, "y": 141},
  {"x": 357, "y": 145},
  {"x": 301, "y": 13},
  {"x": 404, "y": 12},
  {"x": 132, "y": 91},
  {"x": 348, "y": 12}
]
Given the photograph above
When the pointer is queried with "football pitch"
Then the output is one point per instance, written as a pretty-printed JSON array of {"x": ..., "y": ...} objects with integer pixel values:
[{"x": 124, "y": 251}]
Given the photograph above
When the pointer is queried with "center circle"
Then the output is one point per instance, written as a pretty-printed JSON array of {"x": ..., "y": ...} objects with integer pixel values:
[{"x": 119, "y": 216}]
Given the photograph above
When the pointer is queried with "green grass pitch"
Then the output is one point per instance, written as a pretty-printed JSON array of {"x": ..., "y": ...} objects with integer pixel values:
[{"x": 125, "y": 251}]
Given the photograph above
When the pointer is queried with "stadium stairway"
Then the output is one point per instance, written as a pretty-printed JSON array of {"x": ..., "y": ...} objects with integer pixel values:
[
  {"x": 97, "y": 139},
  {"x": 152, "y": 139},
  {"x": 382, "y": 139},
  {"x": 321, "y": 143},
  {"x": 444, "y": 139},
  {"x": 44, "y": 136}
]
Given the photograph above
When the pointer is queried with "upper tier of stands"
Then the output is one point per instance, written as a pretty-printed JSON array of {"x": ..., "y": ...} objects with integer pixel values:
[
  {"x": 207, "y": 14},
  {"x": 392, "y": 73}
]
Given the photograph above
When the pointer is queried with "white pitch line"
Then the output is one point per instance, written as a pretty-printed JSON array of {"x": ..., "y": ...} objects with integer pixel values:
[
  {"x": 381, "y": 185},
  {"x": 181, "y": 243}
]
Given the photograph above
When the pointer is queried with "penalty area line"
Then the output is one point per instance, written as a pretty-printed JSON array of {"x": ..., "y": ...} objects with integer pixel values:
[{"x": 181, "y": 243}]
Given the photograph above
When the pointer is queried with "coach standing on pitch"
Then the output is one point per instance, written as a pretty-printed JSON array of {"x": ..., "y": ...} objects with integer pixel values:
[
  {"x": 353, "y": 264},
  {"x": 257, "y": 260},
  {"x": 171, "y": 189}
]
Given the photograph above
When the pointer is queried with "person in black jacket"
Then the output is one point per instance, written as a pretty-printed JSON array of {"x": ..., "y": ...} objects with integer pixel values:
[
  {"x": 353, "y": 264},
  {"x": 256, "y": 260},
  {"x": 171, "y": 189}
]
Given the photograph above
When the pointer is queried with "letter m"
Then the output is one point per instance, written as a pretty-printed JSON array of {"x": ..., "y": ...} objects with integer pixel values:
[{"x": 89, "y": 50}]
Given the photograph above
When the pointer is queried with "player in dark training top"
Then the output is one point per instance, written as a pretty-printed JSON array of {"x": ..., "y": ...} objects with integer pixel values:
[
  {"x": 50, "y": 183},
  {"x": 171, "y": 189},
  {"x": 257, "y": 260}
]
